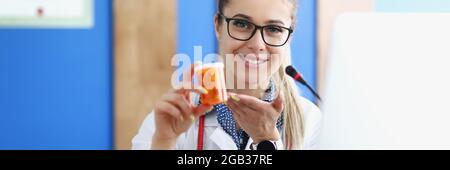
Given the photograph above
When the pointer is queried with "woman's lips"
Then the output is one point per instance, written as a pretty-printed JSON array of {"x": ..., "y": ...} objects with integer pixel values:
[{"x": 252, "y": 60}]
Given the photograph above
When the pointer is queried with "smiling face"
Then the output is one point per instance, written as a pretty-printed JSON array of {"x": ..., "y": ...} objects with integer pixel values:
[{"x": 254, "y": 52}]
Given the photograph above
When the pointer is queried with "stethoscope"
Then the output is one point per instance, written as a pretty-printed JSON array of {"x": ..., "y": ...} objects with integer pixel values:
[
  {"x": 201, "y": 124},
  {"x": 201, "y": 131}
]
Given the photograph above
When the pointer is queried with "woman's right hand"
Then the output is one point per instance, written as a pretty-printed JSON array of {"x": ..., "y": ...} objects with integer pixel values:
[{"x": 175, "y": 114}]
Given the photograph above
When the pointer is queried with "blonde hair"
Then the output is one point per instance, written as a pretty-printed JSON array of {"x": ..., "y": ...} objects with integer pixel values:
[
  {"x": 293, "y": 116},
  {"x": 222, "y": 3},
  {"x": 293, "y": 125}
]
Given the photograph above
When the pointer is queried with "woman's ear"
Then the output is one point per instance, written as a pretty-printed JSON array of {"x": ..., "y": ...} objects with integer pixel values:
[{"x": 217, "y": 26}]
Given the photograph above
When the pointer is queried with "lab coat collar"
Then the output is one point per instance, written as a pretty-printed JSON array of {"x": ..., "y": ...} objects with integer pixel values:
[
  {"x": 222, "y": 139},
  {"x": 211, "y": 119},
  {"x": 219, "y": 136}
]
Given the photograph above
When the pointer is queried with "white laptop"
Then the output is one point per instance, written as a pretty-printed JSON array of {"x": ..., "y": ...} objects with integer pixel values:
[{"x": 388, "y": 82}]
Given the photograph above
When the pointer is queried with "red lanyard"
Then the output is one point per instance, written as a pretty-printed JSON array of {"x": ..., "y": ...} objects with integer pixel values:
[{"x": 201, "y": 129}]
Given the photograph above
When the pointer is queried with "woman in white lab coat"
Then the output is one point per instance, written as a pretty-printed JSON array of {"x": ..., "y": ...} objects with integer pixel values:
[{"x": 273, "y": 116}]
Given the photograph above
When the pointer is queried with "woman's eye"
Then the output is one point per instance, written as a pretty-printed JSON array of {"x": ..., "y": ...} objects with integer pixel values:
[
  {"x": 241, "y": 24},
  {"x": 274, "y": 29}
]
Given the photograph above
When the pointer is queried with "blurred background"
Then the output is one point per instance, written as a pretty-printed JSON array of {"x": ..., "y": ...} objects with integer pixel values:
[{"x": 84, "y": 74}]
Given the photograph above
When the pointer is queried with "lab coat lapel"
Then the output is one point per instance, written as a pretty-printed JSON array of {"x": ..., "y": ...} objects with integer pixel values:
[
  {"x": 222, "y": 139},
  {"x": 219, "y": 136}
]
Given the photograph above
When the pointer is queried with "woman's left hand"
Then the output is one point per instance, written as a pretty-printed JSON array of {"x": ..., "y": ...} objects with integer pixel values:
[{"x": 258, "y": 118}]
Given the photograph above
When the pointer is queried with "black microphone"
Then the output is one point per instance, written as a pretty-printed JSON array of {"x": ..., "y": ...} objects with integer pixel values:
[{"x": 291, "y": 71}]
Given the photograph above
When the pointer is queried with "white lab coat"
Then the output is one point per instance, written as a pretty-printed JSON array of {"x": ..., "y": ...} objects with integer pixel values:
[{"x": 217, "y": 139}]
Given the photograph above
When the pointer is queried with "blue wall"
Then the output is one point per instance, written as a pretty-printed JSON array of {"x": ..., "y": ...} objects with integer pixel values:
[
  {"x": 304, "y": 45},
  {"x": 196, "y": 28},
  {"x": 55, "y": 86}
]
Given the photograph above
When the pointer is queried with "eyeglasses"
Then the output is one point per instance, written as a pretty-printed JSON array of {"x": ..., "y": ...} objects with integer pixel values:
[{"x": 243, "y": 30}]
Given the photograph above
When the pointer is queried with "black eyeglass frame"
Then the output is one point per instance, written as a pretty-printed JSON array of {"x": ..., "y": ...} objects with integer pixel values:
[{"x": 261, "y": 28}]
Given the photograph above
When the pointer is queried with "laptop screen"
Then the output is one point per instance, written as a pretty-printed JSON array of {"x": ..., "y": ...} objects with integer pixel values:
[{"x": 387, "y": 84}]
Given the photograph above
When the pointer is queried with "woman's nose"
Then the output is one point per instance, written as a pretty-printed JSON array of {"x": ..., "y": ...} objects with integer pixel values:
[{"x": 257, "y": 42}]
